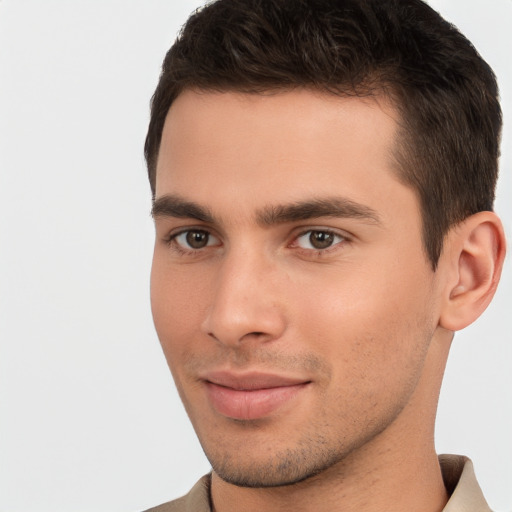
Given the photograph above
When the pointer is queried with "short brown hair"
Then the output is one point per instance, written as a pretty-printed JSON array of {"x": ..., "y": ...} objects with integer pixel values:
[{"x": 445, "y": 92}]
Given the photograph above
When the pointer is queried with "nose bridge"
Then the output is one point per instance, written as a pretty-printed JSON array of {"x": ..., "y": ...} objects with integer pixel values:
[{"x": 245, "y": 300}]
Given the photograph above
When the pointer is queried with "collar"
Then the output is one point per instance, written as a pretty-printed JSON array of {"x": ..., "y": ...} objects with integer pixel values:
[{"x": 462, "y": 486}]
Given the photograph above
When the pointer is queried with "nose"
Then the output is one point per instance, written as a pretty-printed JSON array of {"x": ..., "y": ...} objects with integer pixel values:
[{"x": 245, "y": 301}]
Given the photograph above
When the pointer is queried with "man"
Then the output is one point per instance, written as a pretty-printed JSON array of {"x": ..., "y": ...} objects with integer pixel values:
[{"x": 323, "y": 174}]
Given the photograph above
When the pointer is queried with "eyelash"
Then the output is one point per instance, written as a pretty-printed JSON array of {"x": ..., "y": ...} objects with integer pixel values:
[
  {"x": 171, "y": 241},
  {"x": 343, "y": 239}
]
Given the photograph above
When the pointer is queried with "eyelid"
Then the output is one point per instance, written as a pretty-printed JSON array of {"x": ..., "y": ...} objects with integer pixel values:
[
  {"x": 178, "y": 230},
  {"x": 345, "y": 238},
  {"x": 171, "y": 239},
  {"x": 302, "y": 230}
]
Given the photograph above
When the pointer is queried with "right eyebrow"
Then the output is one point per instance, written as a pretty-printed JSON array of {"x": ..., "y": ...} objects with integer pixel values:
[{"x": 175, "y": 206}]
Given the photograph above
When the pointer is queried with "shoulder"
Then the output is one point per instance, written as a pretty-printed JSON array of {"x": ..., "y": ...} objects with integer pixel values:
[{"x": 197, "y": 500}]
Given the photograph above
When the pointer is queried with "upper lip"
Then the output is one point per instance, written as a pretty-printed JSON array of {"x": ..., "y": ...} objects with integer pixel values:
[{"x": 251, "y": 380}]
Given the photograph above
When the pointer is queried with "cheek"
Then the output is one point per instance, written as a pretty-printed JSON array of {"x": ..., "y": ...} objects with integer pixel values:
[
  {"x": 372, "y": 325},
  {"x": 375, "y": 351},
  {"x": 178, "y": 302}
]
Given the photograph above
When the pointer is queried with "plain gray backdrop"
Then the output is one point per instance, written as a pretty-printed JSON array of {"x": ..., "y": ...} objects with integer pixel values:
[{"x": 89, "y": 419}]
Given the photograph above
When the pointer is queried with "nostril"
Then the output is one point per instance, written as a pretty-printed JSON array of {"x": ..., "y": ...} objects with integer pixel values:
[
  {"x": 213, "y": 336},
  {"x": 253, "y": 334}
]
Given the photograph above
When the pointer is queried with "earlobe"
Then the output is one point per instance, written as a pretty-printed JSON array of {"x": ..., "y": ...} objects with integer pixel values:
[{"x": 475, "y": 252}]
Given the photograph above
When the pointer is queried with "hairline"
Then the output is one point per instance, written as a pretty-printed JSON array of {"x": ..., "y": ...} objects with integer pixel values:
[{"x": 383, "y": 89}]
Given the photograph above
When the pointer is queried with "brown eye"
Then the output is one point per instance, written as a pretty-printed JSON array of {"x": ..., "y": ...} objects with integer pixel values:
[
  {"x": 321, "y": 239},
  {"x": 318, "y": 240},
  {"x": 197, "y": 239}
]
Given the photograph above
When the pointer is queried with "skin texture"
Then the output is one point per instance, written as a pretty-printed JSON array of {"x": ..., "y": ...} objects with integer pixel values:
[{"x": 341, "y": 299}]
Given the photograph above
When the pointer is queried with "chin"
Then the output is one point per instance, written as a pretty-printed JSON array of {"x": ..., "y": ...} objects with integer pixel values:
[{"x": 279, "y": 469}]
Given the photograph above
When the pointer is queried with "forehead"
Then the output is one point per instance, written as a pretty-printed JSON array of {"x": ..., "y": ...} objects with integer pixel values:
[{"x": 252, "y": 149}]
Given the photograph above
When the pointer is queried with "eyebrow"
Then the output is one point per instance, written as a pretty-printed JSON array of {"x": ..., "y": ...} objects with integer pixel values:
[
  {"x": 176, "y": 206},
  {"x": 337, "y": 207}
]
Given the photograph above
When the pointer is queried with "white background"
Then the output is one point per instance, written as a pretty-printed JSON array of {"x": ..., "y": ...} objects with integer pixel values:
[{"x": 89, "y": 419}]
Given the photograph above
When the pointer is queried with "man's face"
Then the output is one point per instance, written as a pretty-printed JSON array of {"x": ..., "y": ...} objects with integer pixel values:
[{"x": 290, "y": 289}]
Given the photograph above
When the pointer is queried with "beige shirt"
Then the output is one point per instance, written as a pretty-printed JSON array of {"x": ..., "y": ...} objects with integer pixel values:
[{"x": 458, "y": 475}]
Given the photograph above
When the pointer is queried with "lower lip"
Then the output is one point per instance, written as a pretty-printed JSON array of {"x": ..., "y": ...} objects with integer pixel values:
[{"x": 250, "y": 404}]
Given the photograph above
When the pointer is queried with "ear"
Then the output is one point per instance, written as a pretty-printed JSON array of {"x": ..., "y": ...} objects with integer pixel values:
[{"x": 473, "y": 258}]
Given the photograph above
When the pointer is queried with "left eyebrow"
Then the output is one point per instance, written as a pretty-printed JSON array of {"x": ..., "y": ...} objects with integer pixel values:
[{"x": 339, "y": 207}]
